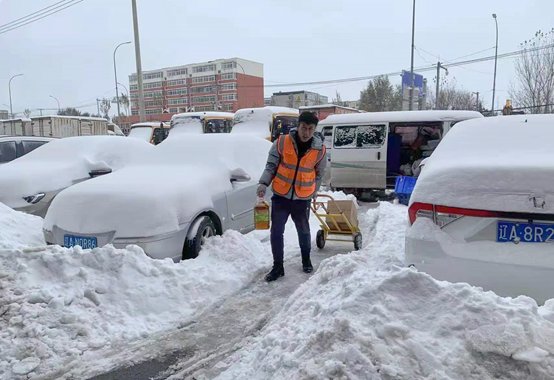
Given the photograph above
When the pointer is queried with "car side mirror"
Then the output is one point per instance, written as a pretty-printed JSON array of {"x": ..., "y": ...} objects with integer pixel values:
[
  {"x": 239, "y": 175},
  {"x": 98, "y": 172}
]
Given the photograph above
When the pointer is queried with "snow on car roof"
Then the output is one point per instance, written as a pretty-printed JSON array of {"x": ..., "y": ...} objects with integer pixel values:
[
  {"x": 63, "y": 162},
  {"x": 400, "y": 116},
  {"x": 202, "y": 114},
  {"x": 495, "y": 163},
  {"x": 149, "y": 124},
  {"x": 182, "y": 176},
  {"x": 268, "y": 110}
]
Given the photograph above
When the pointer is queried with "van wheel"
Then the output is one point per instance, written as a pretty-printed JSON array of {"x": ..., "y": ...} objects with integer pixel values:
[{"x": 205, "y": 228}]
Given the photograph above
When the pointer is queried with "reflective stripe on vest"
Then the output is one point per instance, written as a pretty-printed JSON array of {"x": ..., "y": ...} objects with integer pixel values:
[{"x": 304, "y": 183}]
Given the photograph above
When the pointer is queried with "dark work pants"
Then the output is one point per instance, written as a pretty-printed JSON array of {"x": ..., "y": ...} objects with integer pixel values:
[{"x": 299, "y": 210}]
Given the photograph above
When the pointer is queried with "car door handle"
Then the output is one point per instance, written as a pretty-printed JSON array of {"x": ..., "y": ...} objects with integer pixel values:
[{"x": 378, "y": 155}]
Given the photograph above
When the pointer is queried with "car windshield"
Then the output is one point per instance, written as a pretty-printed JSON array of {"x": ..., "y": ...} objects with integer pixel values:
[{"x": 143, "y": 133}]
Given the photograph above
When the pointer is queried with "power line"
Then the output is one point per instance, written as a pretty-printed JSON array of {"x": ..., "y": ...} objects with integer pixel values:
[
  {"x": 39, "y": 16},
  {"x": 30, "y": 14},
  {"x": 420, "y": 69}
]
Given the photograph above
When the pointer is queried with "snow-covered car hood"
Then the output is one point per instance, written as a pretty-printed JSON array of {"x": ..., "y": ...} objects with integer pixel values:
[
  {"x": 64, "y": 162},
  {"x": 138, "y": 201},
  {"x": 154, "y": 197},
  {"x": 502, "y": 163}
]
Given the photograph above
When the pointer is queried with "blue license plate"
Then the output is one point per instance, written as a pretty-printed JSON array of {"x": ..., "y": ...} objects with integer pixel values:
[
  {"x": 524, "y": 232},
  {"x": 86, "y": 242}
]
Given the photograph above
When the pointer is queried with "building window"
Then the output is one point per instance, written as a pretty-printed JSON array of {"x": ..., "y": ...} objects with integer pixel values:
[
  {"x": 176, "y": 82},
  {"x": 202, "y": 90},
  {"x": 206, "y": 78},
  {"x": 203, "y": 99},
  {"x": 173, "y": 110},
  {"x": 229, "y": 65},
  {"x": 176, "y": 72},
  {"x": 228, "y": 86},
  {"x": 229, "y": 97},
  {"x": 177, "y": 101},
  {"x": 152, "y": 112},
  {"x": 228, "y": 106},
  {"x": 153, "y": 103},
  {"x": 134, "y": 112},
  {"x": 133, "y": 87},
  {"x": 147, "y": 86},
  {"x": 203, "y": 68},
  {"x": 204, "y": 108},
  {"x": 152, "y": 94},
  {"x": 177, "y": 91},
  {"x": 228, "y": 76},
  {"x": 152, "y": 75}
]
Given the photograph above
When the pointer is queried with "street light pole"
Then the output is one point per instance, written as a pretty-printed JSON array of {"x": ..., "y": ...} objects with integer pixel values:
[
  {"x": 115, "y": 74},
  {"x": 10, "y": 93},
  {"x": 138, "y": 62},
  {"x": 495, "y": 61},
  {"x": 56, "y": 99},
  {"x": 412, "y": 61}
]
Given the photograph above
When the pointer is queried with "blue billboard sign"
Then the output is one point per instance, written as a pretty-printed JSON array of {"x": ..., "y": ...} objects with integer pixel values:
[{"x": 418, "y": 82}]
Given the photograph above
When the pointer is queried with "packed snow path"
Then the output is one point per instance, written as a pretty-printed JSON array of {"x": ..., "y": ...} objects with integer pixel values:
[{"x": 193, "y": 350}]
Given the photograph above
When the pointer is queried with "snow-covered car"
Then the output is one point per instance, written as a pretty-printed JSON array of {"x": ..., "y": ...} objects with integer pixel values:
[
  {"x": 482, "y": 210},
  {"x": 12, "y": 147},
  {"x": 31, "y": 182},
  {"x": 193, "y": 187}
]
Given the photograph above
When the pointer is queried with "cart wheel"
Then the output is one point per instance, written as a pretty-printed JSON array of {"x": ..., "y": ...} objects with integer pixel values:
[
  {"x": 357, "y": 241},
  {"x": 320, "y": 239}
]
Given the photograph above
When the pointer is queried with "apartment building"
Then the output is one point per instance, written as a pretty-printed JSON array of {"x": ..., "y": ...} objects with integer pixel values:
[{"x": 223, "y": 84}]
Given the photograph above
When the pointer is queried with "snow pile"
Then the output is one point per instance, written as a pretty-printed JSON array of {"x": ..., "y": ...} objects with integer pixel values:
[
  {"x": 19, "y": 230},
  {"x": 60, "y": 303},
  {"x": 185, "y": 126},
  {"x": 364, "y": 315}
]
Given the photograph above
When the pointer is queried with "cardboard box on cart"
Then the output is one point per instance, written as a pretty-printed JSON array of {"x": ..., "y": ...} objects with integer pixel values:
[{"x": 349, "y": 209}]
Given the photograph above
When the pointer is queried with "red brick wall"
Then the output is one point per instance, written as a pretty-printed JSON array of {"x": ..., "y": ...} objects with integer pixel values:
[{"x": 250, "y": 91}]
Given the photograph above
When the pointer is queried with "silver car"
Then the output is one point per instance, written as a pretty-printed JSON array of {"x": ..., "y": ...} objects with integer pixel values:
[
  {"x": 12, "y": 147},
  {"x": 193, "y": 187}
]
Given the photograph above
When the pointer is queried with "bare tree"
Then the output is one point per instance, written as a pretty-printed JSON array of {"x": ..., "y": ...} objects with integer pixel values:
[
  {"x": 105, "y": 106},
  {"x": 27, "y": 112},
  {"x": 534, "y": 88},
  {"x": 452, "y": 98}
]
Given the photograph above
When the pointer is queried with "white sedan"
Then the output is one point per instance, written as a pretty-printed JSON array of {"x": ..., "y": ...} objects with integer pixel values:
[
  {"x": 31, "y": 182},
  {"x": 193, "y": 187},
  {"x": 482, "y": 210}
]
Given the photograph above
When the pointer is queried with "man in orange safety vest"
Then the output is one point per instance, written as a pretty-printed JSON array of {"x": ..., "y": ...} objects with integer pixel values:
[{"x": 295, "y": 166}]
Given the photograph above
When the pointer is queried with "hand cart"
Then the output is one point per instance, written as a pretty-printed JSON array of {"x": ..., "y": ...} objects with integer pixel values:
[{"x": 333, "y": 221}]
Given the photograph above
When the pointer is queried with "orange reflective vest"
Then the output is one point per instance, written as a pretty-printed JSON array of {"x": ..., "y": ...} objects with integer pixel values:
[{"x": 294, "y": 172}]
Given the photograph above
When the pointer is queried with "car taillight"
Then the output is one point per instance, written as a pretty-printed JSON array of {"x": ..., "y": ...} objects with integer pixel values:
[{"x": 443, "y": 215}]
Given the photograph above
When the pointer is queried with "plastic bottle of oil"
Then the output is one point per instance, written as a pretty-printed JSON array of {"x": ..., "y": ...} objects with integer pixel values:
[{"x": 261, "y": 214}]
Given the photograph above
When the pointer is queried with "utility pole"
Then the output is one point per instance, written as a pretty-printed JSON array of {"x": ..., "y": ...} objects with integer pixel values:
[
  {"x": 412, "y": 61},
  {"x": 439, "y": 67},
  {"x": 495, "y": 61},
  {"x": 10, "y": 92},
  {"x": 477, "y": 105},
  {"x": 139, "y": 65}
]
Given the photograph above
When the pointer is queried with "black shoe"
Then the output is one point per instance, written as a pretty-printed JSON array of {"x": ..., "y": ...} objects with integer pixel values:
[
  {"x": 307, "y": 265},
  {"x": 276, "y": 272}
]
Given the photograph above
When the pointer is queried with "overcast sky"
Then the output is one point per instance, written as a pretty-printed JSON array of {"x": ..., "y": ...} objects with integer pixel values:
[{"x": 69, "y": 55}]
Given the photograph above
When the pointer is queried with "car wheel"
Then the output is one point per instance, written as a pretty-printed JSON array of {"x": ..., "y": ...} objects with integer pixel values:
[
  {"x": 205, "y": 228},
  {"x": 357, "y": 241}
]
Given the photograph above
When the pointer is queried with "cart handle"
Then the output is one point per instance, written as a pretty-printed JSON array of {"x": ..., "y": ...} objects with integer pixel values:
[{"x": 317, "y": 204}]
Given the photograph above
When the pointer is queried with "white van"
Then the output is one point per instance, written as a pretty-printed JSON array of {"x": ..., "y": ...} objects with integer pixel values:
[{"x": 367, "y": 151}]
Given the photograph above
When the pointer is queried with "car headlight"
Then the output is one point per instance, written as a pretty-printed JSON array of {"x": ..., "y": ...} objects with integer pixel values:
[{"x": 34, "y": 198}]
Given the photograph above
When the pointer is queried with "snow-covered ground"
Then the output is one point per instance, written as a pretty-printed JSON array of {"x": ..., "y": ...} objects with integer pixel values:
[{"x": 361, "y": 315}]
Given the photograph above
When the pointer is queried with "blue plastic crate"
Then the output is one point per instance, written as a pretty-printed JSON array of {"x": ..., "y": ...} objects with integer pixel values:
[{"x": 403, "y": 188}]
